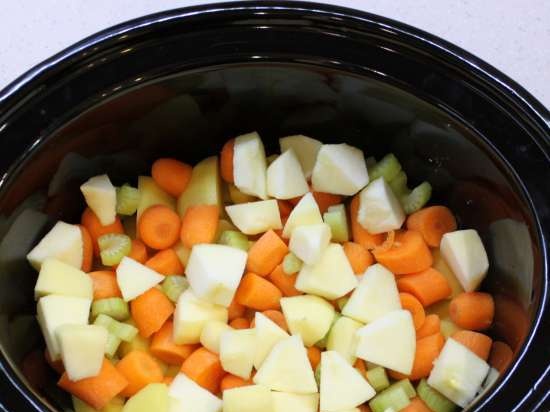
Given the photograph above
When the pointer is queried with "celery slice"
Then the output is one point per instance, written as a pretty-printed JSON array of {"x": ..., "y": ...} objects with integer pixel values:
[
  {"x": 433, "y": 399},
  {"x": 116, "y": 308},
  {"x": 378, "y": 378},
  {"x": 399, "y": 184},
  {"x": 291, "y": 264},
  {"x": 407, "y": 387},
  {"x": 112, "y": 345},
  {"x": 234, "y": 239},
  {"x": 113, "y": 247},
  {"x": 174, "y": 286},
  {"x": 391, "y": 398},
  {"x": 337, "y": 219},
  {"x": 417, "y": 198},
  {"x": 388, "y": 167},
  {"x": 121, "y": 330},
  {"x": 127, "y": 200}
]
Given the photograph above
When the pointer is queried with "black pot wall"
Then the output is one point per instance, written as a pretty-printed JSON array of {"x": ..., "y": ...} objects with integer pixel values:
[{"x": 180, "y": 83}]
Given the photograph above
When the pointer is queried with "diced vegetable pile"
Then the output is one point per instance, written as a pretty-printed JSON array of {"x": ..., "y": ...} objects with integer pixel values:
[{"x": 311, "y": 280}]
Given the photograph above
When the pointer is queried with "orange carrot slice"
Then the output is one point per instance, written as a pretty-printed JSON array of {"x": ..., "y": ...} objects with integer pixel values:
[
  {"x": 428, "y": 286},
  {"x": 240, "y": 323},
  {"x": 87, "y": 250},
  {"x": 150, "y": 310},
  {"x": 472, "y": 310},
  {"x": 432, "y": 223},
  {"x": 258, "y": 293},
  {"x": 284, "y": 282},
  {"x": 105, "y": 284},
  {"x": 231, "y": 381},
  {"x": 139, "y": 251},
  {"x": 427, "y": 350},
  {"x": 226, "y": 161},
  {"x": 359, "y": 257},
  {"x": 408, "y": 254},
  {"x": 96, "y": 391},
  {"x": 171, "y": 175},
  {"x": 266, "y": 253},
  {"x": 478, "y": 343},
  {"x": 166, "y": 262},
  {"x": 235, "y": 310},
  {"x": 199, "y": 225},
  {"x": 432, "y": 325},
  {"x": 164, "y": 348},
  {"x": 205, "y": 368},
  {"x": 159, "y": 227},
  {"x": 501, "y": 355},
  {"x": 314, "y": 356},
  {"x": 140, "y": 369},
  {"x": 410, "y": 303}
]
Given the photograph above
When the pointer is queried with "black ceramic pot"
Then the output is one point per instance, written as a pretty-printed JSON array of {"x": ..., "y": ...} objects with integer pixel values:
[{"x": 180, "y": 83}]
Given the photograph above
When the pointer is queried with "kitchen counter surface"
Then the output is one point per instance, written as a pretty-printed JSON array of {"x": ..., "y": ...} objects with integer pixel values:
[{"x": 513, "y": 35}]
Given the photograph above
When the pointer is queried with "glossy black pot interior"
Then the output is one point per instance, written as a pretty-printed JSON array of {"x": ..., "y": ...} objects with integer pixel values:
[{"x": 180, "y": 83}]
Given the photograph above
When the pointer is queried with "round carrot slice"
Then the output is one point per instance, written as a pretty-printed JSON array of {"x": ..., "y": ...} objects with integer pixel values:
[{"x": 159, "y": 227}]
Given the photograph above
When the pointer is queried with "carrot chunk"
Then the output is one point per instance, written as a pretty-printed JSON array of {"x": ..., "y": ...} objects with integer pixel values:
[
  {"x": 199, "y": 225},
  {"x": 140, "y": 369},
  {"x": 432, "y": 223},
  {"x": 164, "y": 348},
  {"x": 258, "y": 293},
  {"x": 159, "y": 227},
  {"x": 166, "y": 262},
  {"x": 472, "y": 310},
  {"x": 205, "y": 368},
  {"x": 96, "y": 391},
  {"x": 171, "y": 175},
  {"x": 150, "y": 310},
  {"x": 428, "y": 286},
  {"x": 408, "y": 254},
  {"x": 266, "y": 253}
]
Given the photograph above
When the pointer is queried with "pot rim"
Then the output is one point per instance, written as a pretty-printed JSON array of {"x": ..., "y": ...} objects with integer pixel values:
[{"x": 24, "y": 87}]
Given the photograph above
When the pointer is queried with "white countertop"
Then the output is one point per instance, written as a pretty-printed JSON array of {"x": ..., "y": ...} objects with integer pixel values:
[{"x": 512, "y": 35}]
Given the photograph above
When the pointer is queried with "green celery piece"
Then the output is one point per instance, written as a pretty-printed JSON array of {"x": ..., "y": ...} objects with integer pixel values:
[
  {"x": 417, "y": 198},
  {"x": 407, "y": 387},
  {"x": 337, "y": 219},
  {"x": 112, "y": 345},
  {"x": 127, "y": 200},
  {"x": 174, "y": 286},
  {"x": 388, "y": 167},
  {"x": 391, "y": 398},
  {"x": 291, "y": 264},
  {"x": 113, "y": 247},
  {"x": 116, "y": 308},
  {"x": 433, "y": 399},
  {"x": 378, "y": 378},
  {"x": 234, "y": 239},
  {"x": 399, "y": 184},
  {"x": 121, "y": 330}
]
